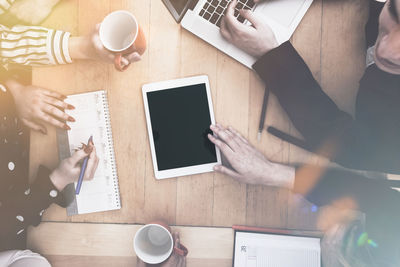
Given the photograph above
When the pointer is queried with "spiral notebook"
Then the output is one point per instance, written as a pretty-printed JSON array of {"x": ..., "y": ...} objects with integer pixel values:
[{"x": 92, "y": 119}]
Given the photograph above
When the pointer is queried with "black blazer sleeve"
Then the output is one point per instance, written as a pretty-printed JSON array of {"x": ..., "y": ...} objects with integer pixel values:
[
  {"x": 373, "y": 197},
  {"x": 325, "y": 128}
]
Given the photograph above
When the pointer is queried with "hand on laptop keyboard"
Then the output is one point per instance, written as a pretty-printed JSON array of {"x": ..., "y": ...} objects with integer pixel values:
[
  {"x": 255, "y": 40},
  {"x": 214, "y": 10}
]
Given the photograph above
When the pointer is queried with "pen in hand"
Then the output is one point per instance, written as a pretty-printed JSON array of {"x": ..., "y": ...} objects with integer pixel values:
[{"x": 83, "y": 169}]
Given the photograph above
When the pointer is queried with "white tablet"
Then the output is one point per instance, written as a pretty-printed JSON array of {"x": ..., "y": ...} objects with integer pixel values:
[{"x": 179, "y": 114}]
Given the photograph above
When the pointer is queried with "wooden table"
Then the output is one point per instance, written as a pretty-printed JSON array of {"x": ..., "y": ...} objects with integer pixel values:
[{"x": 330, "y": 39}]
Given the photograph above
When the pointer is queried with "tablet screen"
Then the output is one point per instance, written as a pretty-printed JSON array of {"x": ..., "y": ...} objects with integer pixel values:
[{"x": 180, "y": 120}]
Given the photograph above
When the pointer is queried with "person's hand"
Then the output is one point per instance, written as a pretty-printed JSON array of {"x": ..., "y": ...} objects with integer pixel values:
[
  {"x": 249, "y": 165},
  {"x": 90, "y": 47},
  {"x": 68, "y": 170},
  {"x": 36, "y": 105},
  {"x": 174, "y": 261},
  {"x": 255, "y": 40}
]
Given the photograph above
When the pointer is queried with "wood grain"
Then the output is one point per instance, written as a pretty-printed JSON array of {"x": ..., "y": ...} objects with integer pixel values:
[
  {"x": 208, "y": 199},
  {"x": 81, "y": 243}
]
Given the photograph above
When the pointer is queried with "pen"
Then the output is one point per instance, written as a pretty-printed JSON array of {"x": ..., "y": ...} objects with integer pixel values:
[
  {"x": 288, "y": 138},
  {"x": 263, "y": 113},
  {"x": 83, "y": 169}
]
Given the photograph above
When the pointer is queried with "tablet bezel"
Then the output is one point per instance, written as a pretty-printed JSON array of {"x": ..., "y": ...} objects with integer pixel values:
[{"x": 172, "y": 84}]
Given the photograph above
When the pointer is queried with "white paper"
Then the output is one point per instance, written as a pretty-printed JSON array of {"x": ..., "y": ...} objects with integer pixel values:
[
  {"x": 268, "y": 250},
  {"x": 101, "y": 193}
]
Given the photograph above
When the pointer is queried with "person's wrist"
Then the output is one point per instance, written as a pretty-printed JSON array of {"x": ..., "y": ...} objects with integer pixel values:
[
  {"x": 58, "y": 180},
  {"x": 80, "y": 47},
  {"x": 279, "y": 175},
  {"x": 13, "y": 86}
]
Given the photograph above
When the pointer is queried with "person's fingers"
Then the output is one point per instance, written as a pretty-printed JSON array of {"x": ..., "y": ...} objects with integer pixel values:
[
  {"x": 49, "y": 119},
  {"x": 125, "y": 61},
  {"x": 97, "y": 27},
  {"x": 77, "y": 157},
  {"x": 56, "y": 112},
  {"x": 225, "y": 31},
  {"x": 176, "y": 239},
  {"x": 250, "y": 16},
  {"x": 98, "y": 45},
  {"x": 53, "y": 94},
  {"x": 57, "y": 103},
  {"x": 35, "y": 126},
  {"x": 133, "y": 57},
  {"x": 225, "y": 149},
  {"x": 227, "y": 171},
  {"x": 225, "y": 136},
  {"x": 230, "y": 11},
  {"x": 244, "y": 140},
  {"x": 231, "y": 22}
]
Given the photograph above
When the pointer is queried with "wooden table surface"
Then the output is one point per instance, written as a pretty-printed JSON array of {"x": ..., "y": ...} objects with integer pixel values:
[{"x": 330, "y": 39}]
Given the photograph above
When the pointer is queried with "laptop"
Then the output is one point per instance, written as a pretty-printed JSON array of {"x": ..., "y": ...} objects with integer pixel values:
[{"x": 203, "y": 18}]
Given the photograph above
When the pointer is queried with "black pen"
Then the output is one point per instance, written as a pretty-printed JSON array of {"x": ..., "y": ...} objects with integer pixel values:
[{"x": 263, "y": 113}]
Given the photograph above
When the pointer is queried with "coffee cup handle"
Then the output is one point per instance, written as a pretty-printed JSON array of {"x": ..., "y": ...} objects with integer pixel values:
[{"x": 118, "y": 63}]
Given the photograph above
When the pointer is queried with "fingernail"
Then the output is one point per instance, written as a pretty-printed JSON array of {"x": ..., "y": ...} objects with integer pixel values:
[
  {"x": 71, "y": 119},
  {"x": 70, "y": 106},
  {"x": 88, "y": 149},
  {"x": 66, "y": 127}
]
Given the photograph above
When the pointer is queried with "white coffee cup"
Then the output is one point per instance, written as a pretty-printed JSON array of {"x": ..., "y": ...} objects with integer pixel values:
[
  {"x": 118, "y": 31},
  {"x": 153, "y": 243},
  {"x": 121, "y": 33}
]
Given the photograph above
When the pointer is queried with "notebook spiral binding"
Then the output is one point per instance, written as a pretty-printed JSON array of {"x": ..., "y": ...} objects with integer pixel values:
[{"x": 111, "y": 147}]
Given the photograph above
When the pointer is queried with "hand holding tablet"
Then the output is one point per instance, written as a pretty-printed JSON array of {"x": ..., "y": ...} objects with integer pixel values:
[{"x": 179, "y": 114}]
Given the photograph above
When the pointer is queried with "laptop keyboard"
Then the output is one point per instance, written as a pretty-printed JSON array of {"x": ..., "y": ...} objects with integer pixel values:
[{"x": 214, "y": 10}]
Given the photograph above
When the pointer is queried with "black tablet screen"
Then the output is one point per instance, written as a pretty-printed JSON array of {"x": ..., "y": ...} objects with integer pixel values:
[{"x": 180, "y": 119}]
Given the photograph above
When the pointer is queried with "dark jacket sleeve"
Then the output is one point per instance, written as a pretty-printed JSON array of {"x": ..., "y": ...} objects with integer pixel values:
[
  {"x": 374, "y": 197},
  {"x": 26, "y": 207},
  {"x": 326, "y": 129}
]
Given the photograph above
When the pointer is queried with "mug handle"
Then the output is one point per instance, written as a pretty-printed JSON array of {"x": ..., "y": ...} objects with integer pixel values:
[{"x": 118, "y": 63}]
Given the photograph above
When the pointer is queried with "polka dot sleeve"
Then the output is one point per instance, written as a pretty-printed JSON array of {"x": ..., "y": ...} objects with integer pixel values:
[{"x": 28, "y": 205}]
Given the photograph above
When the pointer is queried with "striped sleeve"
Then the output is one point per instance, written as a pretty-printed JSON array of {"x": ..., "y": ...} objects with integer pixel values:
[
  {"x": 5, "y": 5},
  {"x": 33, "y": 46}
]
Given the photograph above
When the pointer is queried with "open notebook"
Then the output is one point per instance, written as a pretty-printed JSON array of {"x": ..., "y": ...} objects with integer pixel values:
[
  {"x": 254, "y": 249},
  {"x": 92, "y": 118}
]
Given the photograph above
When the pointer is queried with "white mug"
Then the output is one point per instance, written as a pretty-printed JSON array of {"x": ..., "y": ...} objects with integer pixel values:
[
  {"x": 153, "y": 243},
  {"x": 121, "y": 33}
]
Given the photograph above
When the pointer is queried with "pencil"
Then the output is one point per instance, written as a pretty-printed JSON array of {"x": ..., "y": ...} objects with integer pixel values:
[
  {"x": 83, "y": 169},
  {"x": 263, "y": 113}
]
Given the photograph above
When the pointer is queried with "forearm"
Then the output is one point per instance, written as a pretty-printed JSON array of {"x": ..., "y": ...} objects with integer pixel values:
[
  {"x": 33, "y": 46},
  {"x": 30, "y": 203},
  {"x": 80, "y": 47},
  {"x": 325, "y": 186},
  {"x": 279, "y": 175},
  {"x": 312, "y": 112}
]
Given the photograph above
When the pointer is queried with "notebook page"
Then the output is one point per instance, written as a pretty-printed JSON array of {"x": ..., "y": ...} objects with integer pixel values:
[
  {"x": 266, "y": 250},
  {"x": 101, "y": 193}
]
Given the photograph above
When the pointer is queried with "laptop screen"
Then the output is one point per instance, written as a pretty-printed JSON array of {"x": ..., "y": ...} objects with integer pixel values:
[{"x": 176, "y": 7}]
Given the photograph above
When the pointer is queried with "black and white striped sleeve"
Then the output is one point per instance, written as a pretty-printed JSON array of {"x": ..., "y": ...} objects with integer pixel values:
[{"x": 33, "y": 46}]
